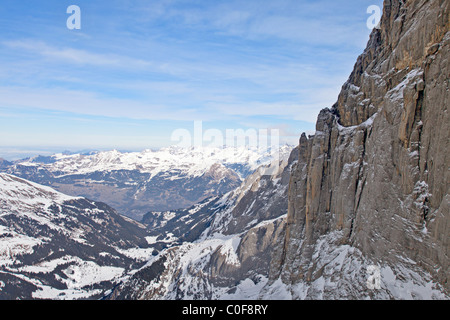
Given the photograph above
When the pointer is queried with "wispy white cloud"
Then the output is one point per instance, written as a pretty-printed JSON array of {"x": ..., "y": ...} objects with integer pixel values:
[
  {"x": 222, "y": 108},
  {"x": 279, "y": 110},
  {"x": 88, "y": 103},
  {"x": 196, "y": 88},
  {"x": 77, "y": 56},
  {"x": 307, "y": 22}
]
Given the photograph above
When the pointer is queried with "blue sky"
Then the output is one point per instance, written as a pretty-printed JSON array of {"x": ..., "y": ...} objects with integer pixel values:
[{"x": 138, "y": 70}]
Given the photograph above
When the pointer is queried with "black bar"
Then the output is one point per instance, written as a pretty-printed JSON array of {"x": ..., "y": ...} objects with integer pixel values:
[{"x": 168, "y": 310}]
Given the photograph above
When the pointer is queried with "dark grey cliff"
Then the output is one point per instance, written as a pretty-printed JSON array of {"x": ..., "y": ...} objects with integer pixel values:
[{"x": 373, "y": 182}]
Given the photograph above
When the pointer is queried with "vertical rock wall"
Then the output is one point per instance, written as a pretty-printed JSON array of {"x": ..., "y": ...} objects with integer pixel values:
[{"x": 376, "y": 173}]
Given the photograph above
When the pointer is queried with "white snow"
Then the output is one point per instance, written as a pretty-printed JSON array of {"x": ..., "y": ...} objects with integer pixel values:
[
  {"x": 228, "y": 249},
  {"x": 396, "y": 94},
  {"x": 84, "y": 273},
  {"x": 151, "y": 240},
  {"x": 30, "y": 203},
  {"x": 46, "y": 266},
  {"x": 247, "y": 289},
  {"x": 344, "y": 274},
  {"x": 194, "y": 161},
  {"x": 139, "y": 254},
  {"x": 28, "y": 192},
  {"x": 13, "y": 244},
  {"x": 350, "y": 130}
]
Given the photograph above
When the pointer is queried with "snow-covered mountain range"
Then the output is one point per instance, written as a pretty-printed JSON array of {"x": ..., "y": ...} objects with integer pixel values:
[
  {"x": 64, "y": 247},
  {"x": 193, "y": 161},
  {"x": 135, "y": 183},
  {"x": 54, "y": 246},
  {"x": 219, "y": 248}
]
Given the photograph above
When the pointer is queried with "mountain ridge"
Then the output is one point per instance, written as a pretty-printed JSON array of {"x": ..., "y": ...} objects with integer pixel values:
[
  {"x": 54, "y": 246},
  {"x": 137, "y": 182}
]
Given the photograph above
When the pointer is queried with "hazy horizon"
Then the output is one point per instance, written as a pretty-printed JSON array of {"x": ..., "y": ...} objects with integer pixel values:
[{"x": 136, "y": 71}]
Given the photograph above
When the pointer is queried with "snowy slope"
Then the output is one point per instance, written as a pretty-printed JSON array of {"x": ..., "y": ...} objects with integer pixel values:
[
  {"x": 60, "y": 247},
  {"x": 28, "y": 194}
]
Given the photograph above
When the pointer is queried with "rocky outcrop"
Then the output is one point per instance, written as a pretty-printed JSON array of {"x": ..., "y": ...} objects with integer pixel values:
[{"x": 373, "y": 182}]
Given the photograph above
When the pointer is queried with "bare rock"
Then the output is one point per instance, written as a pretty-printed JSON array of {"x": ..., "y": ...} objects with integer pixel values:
[{"x": 375, "y": 175}]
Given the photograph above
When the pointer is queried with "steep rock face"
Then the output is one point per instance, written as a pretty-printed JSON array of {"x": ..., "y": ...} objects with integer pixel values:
[{"x": 373, "y": 182}]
